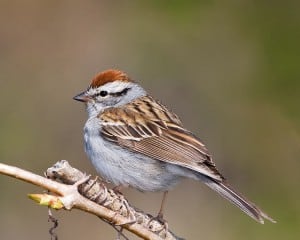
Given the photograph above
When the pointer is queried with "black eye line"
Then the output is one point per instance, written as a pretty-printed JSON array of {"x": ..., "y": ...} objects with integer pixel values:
[
  {"x": 104, "y": 93},
  {"x": 118, "y": 94}
]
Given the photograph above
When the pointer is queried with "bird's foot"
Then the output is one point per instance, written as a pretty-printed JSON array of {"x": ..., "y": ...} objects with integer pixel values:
[{"x": 162, "y": 222}]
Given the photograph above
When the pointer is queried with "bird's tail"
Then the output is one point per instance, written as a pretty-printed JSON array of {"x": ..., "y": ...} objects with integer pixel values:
[{"x": 237, "y": 199}]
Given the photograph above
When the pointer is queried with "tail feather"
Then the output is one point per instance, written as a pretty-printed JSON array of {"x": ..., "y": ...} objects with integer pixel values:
[{"x": 237, "y": 199}]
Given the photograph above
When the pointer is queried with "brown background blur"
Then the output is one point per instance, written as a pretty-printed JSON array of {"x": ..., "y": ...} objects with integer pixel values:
[{"x": 230, "y": 70}]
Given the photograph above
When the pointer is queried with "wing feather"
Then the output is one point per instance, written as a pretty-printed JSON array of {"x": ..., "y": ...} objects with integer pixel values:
[{"x": 156, "y": 133}]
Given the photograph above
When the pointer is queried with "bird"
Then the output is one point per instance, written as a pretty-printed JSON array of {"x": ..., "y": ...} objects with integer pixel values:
[{"x": 133, "y": 140}]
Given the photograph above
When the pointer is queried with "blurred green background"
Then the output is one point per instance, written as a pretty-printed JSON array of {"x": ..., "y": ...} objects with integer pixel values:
[{"x": 230, "y": 69}]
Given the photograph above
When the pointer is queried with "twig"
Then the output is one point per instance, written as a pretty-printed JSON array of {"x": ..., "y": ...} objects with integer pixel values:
[
  {"x": 55, "y": 224},
  {"x": 114, "y": 207}
]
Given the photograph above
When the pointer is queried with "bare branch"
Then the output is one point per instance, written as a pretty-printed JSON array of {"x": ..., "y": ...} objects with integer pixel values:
[{"x": 93, "y": 197}]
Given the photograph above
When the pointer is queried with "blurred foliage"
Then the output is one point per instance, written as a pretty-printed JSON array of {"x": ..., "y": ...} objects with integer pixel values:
[
  {"x": 229, "y": 69},
  {"x": 277, "y": 27}
]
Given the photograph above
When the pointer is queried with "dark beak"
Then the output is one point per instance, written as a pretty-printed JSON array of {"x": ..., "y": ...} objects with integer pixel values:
[{"x": 82, "y": 97}]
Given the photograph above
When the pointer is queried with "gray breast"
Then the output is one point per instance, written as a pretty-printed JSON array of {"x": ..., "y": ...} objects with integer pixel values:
[{"x": 123, "y": 167}]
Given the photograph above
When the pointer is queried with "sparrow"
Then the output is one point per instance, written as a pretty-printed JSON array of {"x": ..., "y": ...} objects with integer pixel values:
[{"x": 133, "y": 140}]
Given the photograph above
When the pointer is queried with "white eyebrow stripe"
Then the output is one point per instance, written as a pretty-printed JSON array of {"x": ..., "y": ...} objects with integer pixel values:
[{"x": 115, "y": 87}]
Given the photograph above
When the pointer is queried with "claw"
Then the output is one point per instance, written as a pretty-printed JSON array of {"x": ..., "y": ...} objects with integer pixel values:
[
  {"x": 130, "y": 212},
  {"x": 159, "y": 218}
]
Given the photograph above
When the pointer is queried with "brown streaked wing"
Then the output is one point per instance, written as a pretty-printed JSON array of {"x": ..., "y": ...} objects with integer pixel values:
[{"x": 167, "y": 141}]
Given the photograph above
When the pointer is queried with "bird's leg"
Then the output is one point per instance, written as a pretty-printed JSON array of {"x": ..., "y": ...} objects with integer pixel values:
[{"x": 160, "y": 214}]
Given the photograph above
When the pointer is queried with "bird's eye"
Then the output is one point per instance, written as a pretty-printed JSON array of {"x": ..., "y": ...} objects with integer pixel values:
[{"x": 103, "y": 93}]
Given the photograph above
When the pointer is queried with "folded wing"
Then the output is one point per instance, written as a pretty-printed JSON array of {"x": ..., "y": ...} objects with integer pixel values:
[{"x": 154, "y": 131}]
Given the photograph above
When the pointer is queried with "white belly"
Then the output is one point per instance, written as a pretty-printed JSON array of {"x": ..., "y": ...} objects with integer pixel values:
[{"x": 122, "y": 167}]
